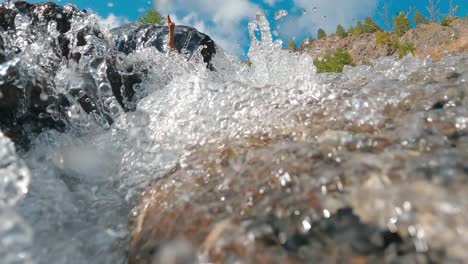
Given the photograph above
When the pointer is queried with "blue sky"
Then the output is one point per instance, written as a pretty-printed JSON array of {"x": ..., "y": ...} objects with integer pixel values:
[{"x": 226, "y": 20}]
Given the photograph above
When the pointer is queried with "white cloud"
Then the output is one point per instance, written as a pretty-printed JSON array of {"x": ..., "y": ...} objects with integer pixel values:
[
  {"x": 221, "y": 19},
  {"x": 224, "y": 20},
  {"x": 326, "y": 14},
  {"x": 112, "y": 21},
  {"x": 271, "y": 2}
]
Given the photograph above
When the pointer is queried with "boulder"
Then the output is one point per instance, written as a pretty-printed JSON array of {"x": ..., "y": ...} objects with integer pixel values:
[{"x": 136, "y": 36}]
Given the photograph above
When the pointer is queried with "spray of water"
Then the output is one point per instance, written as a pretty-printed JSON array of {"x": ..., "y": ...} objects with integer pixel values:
[{"x": 84, "y": 182}]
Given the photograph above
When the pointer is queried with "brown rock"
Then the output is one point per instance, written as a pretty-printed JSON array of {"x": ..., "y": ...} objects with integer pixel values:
[
  {"x": 432, "y": 39},
  {"x": 362, "y": 48}
]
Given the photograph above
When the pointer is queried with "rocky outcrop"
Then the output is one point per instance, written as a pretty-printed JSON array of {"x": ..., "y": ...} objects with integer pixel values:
[
  {"x": 362, "y": 48},
  {"x": 426, "y": 37},
  {"x": 58, "y": 62},
  {"x": 432, "y": 39},
  {"x": 437, "y": 41}
]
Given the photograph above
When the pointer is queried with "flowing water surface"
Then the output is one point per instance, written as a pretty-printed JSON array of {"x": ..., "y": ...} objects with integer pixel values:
[{"x": 68, "y": 198}]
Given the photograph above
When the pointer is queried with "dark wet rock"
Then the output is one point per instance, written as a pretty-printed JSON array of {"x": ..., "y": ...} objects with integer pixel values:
[
  {"x": 39, "y": 41},
  {"x": 136, "y": 36}
]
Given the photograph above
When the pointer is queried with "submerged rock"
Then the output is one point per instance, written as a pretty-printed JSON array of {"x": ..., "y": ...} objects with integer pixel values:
[
  {"x": 57, "y": 63},
  {"x": 373, "y": 173}
]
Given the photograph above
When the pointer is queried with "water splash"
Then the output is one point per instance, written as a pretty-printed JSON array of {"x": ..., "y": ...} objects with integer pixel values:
[
  {"x": 280, "y": 14},
  {"x": 15, "y": 234},
  {"x": 85, "y": 180}
]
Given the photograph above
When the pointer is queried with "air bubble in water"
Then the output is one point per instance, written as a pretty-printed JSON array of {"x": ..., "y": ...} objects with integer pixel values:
[
  {"x": 136, "y": 123},
  {"x": 15, "y": 238},
  {"x": 280, "y": 14},
  {"x": 44, "y": 96},
  {"x": 74, "y": 111},
  {"x": 14, "y": 175}
]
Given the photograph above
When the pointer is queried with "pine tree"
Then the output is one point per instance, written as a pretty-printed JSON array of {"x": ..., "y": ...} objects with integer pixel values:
[
  {"x": 370, "y": 26},
  {"x": 340, "y": 31},
  {"x": 321, "y": 34},
  {"x": 151, "y": 17},
  {"x": 401, "y": 24},
  {"x": 420, "y": 19}
]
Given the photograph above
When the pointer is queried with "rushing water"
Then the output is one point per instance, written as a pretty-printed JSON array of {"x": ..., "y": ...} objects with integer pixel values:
[{"x": 68, "y": 198}]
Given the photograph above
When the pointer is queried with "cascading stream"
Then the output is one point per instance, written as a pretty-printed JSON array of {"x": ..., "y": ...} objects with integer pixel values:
[{"x": 79, "y": 184}]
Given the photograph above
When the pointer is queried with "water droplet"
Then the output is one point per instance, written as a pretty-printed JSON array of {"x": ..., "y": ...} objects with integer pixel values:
[
  {"x": 280, "y": 14},
  {"x": 44, "y": 96},
  {"x": 306, "y": 226},
  {"x": 74, "y": 111},
  {"x": 105, "y": 89},
  {"x": 284, "y": 179}
]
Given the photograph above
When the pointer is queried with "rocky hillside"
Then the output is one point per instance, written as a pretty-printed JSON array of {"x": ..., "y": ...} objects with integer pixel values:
[{"x": 432, "y": 39}]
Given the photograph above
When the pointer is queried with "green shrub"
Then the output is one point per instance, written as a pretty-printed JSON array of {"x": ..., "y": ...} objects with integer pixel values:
[
  {"x": 406, "y": 48},
  {"x": 321, "y": 34},
  {"x": 447, "y": 21},
  {"x": 151, "y": 17},
  {"x": 370, "y": 26},
  {"x": 333, "y": 62},
  {"x": 353, "y": 31},
  {"x": 359, "y": 28},
  {"x": 340, "y": 31},
  {"x": 401, "y": 24},
  {"x": 420, "y": 19},
  {"x": 382, "y": 38},
  {"x": 403, "y": 48},
  {"x": 291, "y": 45}
]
